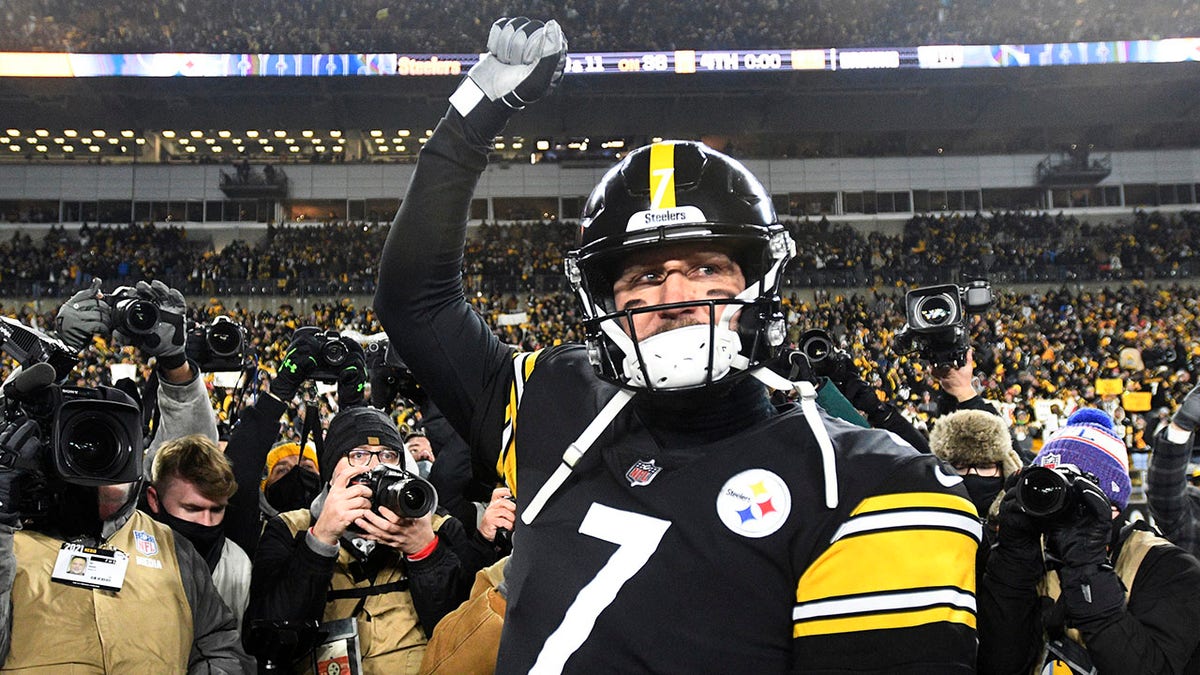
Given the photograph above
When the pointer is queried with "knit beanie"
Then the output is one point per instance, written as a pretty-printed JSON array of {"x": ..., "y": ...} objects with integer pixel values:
[
  {"x": 1093, "y": 447},
  {"x": 352, "y": 427}
]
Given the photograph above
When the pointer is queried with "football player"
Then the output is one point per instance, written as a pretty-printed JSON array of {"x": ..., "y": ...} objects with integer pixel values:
[{"x": 670, "y": 518}]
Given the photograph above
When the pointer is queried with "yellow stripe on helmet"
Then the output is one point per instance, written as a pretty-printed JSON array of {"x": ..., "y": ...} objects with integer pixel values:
[{"x": 662, "y": 176}]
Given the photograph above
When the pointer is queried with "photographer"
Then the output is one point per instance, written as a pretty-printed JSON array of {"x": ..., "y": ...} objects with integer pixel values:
[
  {"x": 254, "y": 437},
  {"x": 145, "y": 601},
  {"x": 1118, "y": 598},
  {"x": 348, "y": 557},
  {"x": 1173, "y": 502}
]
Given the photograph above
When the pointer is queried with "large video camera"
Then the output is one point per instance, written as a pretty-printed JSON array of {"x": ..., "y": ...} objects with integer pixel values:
[
  {"x": 936, "y": 328},
  {"x": 333, "y": 350},
  {"x": 218, "y": 346},
  {"x": 28, "y": 346},
  {"x": 90, "y": 435},
  {"x": 1050, "y": 493},
  {"x": 405, "y": 494}
]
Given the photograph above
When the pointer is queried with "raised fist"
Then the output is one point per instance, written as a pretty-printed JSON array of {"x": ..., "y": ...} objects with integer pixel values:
[{"x": 525, "y": 59}]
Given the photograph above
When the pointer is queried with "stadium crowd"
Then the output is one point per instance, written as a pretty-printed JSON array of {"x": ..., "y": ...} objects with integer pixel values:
[
  {"x": 1031, "y": 348},
  {"x": 1010, "y": 247},
  {"x": 424, "y": 27}
]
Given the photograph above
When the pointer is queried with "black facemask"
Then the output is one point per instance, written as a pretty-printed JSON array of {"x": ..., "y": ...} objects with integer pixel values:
[
  {"x": 983, "y": 491},
  {"x": 209, "y": 540},
  {"x": 295, "y": 490}
]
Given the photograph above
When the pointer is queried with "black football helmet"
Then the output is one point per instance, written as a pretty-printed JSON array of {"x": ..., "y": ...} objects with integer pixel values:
[{"x": 665, "y": 194}]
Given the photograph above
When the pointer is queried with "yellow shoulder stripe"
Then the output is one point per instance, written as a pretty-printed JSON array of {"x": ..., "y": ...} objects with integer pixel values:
[{"x": 506, "y": 463}]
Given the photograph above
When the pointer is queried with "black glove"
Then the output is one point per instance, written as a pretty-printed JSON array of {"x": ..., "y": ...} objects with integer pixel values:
[
  {"x": 352, "y": 379},
  {"x": 167, "y": 338},
  {"x": 1082, "y": 540},
  {"x": 1091, "y": 591},
  {"x": 20, "y": 442},
  {"x": 525, "y": 59},
  {"x": 1016, "y": 557},
  {"x": 1188, "y": 415},
  {"x": 82, "y": 316},
  {"x": 298, "y": 362}
]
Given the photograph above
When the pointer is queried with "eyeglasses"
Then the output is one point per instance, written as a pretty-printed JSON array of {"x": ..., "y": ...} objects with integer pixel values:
[
  {"x": 363, "y": 457},
  {"x": 987, "y": 470}
]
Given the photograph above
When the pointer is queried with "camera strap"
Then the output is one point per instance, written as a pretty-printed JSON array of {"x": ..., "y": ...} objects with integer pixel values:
[{"x": 312, "y": 424}]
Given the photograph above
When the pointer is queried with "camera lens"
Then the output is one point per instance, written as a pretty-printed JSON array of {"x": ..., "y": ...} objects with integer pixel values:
[
  {"x": 1042, "y": 492},
  {"x": 408, "y": 497},
  {"x": 93, "y": 446},
  {"x": 816, "y": 345},
  {"x": 136, "y": 316},
  {"x": 334, "y": 353},
  {"x": 935, "y": 310},
  {"x": 224, "y": 339}
]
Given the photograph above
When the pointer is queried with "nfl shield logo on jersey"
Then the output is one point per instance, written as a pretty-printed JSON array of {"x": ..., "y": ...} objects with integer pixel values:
[
  {"x": 642, "y": 472},
  {"x": 145, "y": 542}
]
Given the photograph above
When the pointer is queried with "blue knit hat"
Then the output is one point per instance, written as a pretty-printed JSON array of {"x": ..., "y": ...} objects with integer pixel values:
[{"x": 1094, "y": 448}]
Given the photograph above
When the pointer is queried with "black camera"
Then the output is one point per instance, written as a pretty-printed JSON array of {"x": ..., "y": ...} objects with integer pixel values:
[
  {"x": 131, "y": 315},
  {"x": 91, "y": 435},
  {"x": 824, "y": 359},
  {"x": 28, "y": 346},
  {"x": 218, "y": 346},
  {"x": 405, "y": 494},
  {"x": 389, "y": 375},
  {"x": 332, "y": 352},
  {"x": 1050, "y": 493},
  {"x": 936, "y": 326}
]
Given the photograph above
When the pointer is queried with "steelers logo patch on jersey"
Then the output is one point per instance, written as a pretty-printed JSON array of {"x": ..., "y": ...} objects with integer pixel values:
[{"x": 754, "y": 503}]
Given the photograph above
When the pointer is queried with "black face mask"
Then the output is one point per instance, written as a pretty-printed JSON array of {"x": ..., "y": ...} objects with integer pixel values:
[
  {"x": 209, "y": 540},
  {"x": 295, "y": 490},
  {"x": 983, "y": 491}
]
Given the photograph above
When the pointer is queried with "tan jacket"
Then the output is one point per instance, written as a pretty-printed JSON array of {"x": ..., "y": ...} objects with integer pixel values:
[
  {"x": 146, "y": 627},
  {"x": 467, "y": 640},
  {"x": 390, "y": 636}
]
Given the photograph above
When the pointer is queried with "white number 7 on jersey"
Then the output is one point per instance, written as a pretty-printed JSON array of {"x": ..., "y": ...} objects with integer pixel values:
[{"x": 637, "y": 537}]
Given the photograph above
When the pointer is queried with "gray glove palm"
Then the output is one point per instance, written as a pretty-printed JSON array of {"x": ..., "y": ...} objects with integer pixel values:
[
  {"x": 525, "y": 60},
  {"x": 82, "y": 316}
]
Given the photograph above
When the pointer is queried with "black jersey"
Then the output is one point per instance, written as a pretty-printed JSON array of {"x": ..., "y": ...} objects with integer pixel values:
[
  {"x": 726, "y": 558},
  {"x": 723, "y": 558}
]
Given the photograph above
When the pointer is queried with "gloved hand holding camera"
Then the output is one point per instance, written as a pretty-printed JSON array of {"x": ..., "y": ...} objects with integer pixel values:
[
  {"x": 166, "y": 336},
  {"x": 352, "y": 379},
  {"x": 299, "y": 361},
  {"x": 1091, "y": 590},
  {"x": 83, "y": 316},
  {"x": 524, "y": 61},
  {"x": 1016, "y": 556}
]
